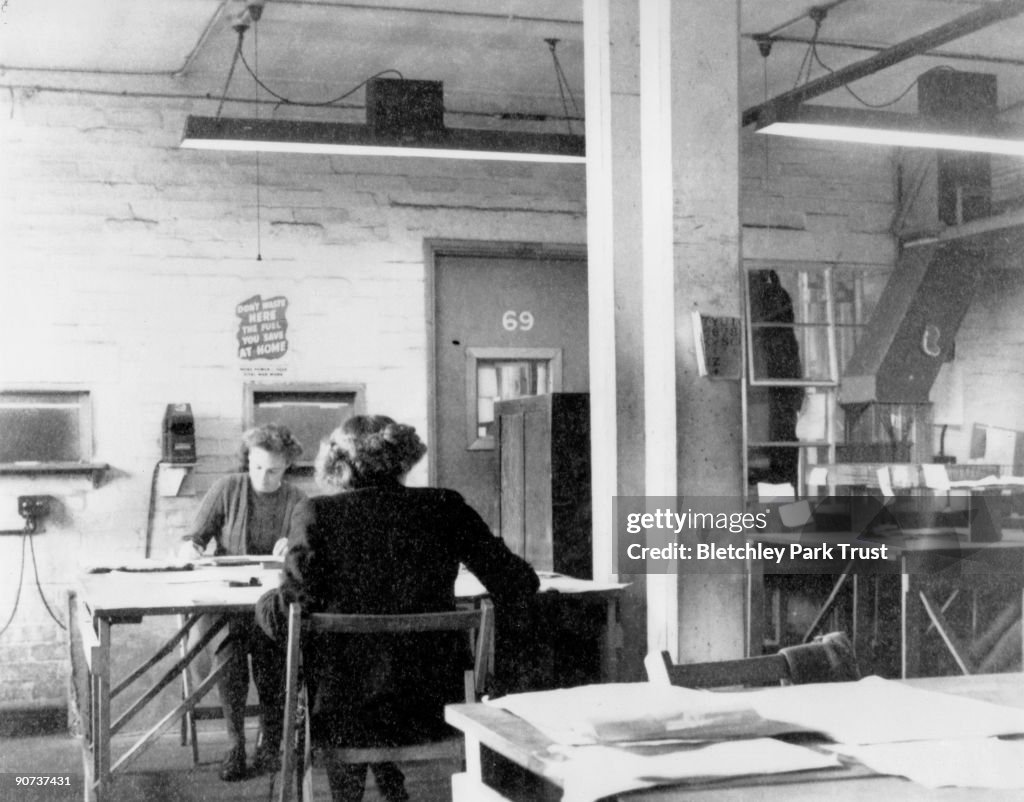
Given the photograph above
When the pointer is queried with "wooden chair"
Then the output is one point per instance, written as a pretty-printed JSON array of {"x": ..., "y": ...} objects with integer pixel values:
[
  {"x": 469, "y": 621},
  {"x": 201, "y": 712},
  {"x": 830, "y": 658}
]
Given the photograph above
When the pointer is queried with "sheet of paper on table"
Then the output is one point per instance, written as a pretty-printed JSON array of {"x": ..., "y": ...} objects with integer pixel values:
[
  {"x": 872, "y": 710},
  {"x": 221, "y": 574},
  {"x": 875, "y": 710},
  {"x": 148, "y": 565},
  {"x": 935, "y": 476},
  {"x": 467, "y": 585},
  {"x": 593, "y": 772},
  {"x": 965, "y": 762}
]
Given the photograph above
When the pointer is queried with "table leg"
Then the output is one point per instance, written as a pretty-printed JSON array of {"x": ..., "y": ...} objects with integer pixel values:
[
  {"x": 856, "y": 601},
  {"x": 756, "y": 606},
  {"x": 94, "y": 730},
  {"x": 830, "y": 602},
  {"x": 473, "y": 764},
  {"x": 466, "y": 789},
  {"x": 611, "y": 643},
  {"x": 88, "y": 741},
  {"x": 101, "y": 735},
  {"x": 954, "y": 645},
  {"x": 914, "y": 620},
  {"x": 469, "y": 786}
]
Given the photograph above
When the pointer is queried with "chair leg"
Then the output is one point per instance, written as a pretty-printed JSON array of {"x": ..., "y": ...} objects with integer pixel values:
[
  {"x": 300, "y": 764},
  {"x": 305, "y": 774},
  {"x": 390, "y": 781},
  {"x": 347, "y": 780}
]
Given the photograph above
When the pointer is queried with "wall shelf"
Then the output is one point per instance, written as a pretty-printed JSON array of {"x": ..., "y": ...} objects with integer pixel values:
[
  {"x": 95, "y": 470},
  {"x": 171, "y": 476}
]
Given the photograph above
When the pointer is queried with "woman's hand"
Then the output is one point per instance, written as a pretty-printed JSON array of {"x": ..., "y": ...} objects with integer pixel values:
[
  {"x": 189, "y": 551},
  {"x": 280, "y": 548}
]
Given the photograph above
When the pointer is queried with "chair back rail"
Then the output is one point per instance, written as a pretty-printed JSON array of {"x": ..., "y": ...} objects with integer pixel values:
[
  {"x": 466, "y": 620},
  {"x": 764, "y": 670},
  {"x": 829, "y": 659}
]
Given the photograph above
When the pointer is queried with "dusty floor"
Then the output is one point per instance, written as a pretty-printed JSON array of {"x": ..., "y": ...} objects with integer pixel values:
[{"x": 165, "y": 773}]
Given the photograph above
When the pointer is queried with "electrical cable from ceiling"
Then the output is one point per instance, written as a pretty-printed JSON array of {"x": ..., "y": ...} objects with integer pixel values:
[
  {"x": 765, "y": 46},
  {"x": 563, "y": 85},
  {"x": 239, "y": 56},
  {"x": 564, "y": 88},
  {"x": 256, "y": 60},
  {"x": 332, "y": 101},
  {"x": 818, "y": 16}
]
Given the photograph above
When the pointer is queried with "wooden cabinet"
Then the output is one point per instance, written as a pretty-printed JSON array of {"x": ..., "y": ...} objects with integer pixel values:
[{"x": 543, "y": 447}]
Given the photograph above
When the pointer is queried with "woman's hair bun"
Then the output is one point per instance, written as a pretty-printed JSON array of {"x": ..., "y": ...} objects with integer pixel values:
[{"x": 366, "y": 450}]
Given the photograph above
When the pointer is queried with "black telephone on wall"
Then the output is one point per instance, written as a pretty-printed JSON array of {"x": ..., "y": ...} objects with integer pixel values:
[{"x": 179, "y": 434}]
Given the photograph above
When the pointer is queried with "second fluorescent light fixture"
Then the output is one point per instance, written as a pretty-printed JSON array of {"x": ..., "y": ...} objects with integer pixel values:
[{"x": 896, "y": 130}]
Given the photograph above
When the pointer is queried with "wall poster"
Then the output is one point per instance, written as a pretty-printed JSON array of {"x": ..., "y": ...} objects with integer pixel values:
[{"x": 262, "y": 332}]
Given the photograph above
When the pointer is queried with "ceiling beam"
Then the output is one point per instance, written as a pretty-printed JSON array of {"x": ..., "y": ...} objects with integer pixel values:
[
  {"x": 961, "y": 26},
  {"x": 840, "y": 44}
]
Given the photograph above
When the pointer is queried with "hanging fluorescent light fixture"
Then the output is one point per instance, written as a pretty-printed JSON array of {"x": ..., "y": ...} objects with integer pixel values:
[
  {"x": 296, "y": 136},
  {"x": 872, "y": 127},
  {"x": 404, "y": 118}
]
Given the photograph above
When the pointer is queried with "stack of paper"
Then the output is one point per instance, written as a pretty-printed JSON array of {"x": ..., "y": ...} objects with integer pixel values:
[
  {"x": 593, "y": 772},
  {"x": 638, "y": 711},
  {"x": 933, "y": 738}
]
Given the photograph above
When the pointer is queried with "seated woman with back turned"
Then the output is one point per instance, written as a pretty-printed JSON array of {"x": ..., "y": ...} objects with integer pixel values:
[{"x": 382, "y": 548}]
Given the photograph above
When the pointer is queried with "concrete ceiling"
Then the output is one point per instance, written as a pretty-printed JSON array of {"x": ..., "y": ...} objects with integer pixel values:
[{"x": 492, "y": 56}]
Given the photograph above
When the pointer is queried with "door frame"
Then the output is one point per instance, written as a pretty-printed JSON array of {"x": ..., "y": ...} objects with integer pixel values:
[{"x": 435, "y": 248}]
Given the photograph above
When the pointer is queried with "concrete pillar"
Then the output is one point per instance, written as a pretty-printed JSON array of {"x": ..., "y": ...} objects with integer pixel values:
[
  {"x": 679, "y": 432},
  {"x": 699, "y": 43},
  {"x": 616, "y": 321}
]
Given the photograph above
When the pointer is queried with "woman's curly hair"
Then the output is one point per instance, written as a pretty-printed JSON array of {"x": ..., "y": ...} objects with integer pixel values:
[
  {"x": 272, "y": 437},
  {"x": 367, "y": 450}
]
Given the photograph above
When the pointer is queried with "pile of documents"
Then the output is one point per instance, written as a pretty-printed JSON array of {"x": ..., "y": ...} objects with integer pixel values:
[{"x": 616, "y": 737}]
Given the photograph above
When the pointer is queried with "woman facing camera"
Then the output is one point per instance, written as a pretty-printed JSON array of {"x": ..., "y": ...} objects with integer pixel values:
[
  {"x": 382, "y": 548},
  {"x": 248, "y": 513}
]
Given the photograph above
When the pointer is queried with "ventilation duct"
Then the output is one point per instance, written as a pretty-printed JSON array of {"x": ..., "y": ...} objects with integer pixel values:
[{"x": 914, "y": 324}]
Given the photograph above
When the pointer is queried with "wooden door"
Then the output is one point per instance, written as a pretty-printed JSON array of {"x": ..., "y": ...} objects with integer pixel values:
[{"x": 503, "y": 326}]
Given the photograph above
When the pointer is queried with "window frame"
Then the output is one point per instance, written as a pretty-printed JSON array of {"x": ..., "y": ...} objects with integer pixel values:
[
  {"x": 251, "y": 390},
  {"x": 476, "y": 354},
  {"x": 84, "y": 441}
]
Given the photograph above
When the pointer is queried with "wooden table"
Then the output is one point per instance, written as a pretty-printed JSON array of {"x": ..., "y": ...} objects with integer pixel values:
[
  {"x": 105, "y": 600},
  {"x": 524, "y": 745},
  {"x": 934, "y": 574},
  {"x": 933, "y": 567}
]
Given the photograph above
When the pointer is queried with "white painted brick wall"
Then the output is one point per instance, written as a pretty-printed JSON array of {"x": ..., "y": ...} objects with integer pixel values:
[
  {"x": 124, "y": 258},
  {"x": 990, "y": 349},
  {"x": 816, "y": 201}
]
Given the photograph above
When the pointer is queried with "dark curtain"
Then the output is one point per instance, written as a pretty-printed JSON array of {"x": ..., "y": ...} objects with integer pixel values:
[{"x": 777, "y": 356}]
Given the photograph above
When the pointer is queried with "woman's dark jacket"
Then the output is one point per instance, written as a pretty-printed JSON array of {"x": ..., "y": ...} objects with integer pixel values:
[{"x": 379, "y": 550}]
